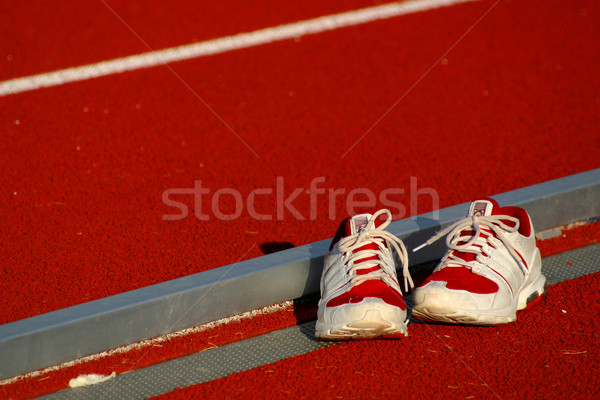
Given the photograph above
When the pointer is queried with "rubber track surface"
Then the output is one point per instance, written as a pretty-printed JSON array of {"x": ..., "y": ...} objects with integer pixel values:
[{"x": 84, "y": 166}]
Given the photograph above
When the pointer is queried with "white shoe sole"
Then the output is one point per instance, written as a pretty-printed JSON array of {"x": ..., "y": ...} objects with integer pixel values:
[
  {"x": 447, "y": 314},
  {"x": 370, "y": 326}
]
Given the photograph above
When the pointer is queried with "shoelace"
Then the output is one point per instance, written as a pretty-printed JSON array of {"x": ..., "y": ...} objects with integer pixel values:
[
  {"x": 370, "y": 234},
  {"x": 479, "y": 237}
]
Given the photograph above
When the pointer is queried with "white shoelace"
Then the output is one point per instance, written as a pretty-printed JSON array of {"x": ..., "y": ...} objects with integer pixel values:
[
  {"x": 494, "y": 223},
  {"x": 370, "y": 234}
]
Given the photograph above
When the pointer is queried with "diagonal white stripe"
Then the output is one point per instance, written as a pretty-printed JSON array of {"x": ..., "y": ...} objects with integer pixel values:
[{"x": 221, "y": 45}]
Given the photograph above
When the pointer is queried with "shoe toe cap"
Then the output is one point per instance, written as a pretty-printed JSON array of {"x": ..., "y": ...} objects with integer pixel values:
[
  {"x": 356, "y": 311},
  {"x": 435, "y": 296}
]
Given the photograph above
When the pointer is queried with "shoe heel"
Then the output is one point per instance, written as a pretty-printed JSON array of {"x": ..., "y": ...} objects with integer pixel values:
[{"x": 531, "y": 294}]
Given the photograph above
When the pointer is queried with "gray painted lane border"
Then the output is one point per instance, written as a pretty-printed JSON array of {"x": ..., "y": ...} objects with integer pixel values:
[
  {"x": 93, "y": 327},
  {"x": 201, "y": 367}
]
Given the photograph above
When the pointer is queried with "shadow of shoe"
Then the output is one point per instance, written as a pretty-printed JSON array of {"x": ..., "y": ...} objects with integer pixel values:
[{"x": 274, "y": 247}]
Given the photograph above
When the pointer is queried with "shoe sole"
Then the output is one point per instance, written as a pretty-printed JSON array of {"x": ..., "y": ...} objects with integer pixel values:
[
  {"x": 527, "y": 297},
  {"x": 370, "y": 326}
]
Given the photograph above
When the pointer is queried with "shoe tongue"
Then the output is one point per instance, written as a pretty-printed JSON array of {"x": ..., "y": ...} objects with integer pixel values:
[
  {"x": 481, "y": 208},
  {"x": 357, "y": 223}
]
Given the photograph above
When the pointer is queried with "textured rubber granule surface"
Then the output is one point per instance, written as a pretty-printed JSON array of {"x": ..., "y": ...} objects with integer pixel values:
[
  {"x": 40, "y": 36},
  {"x": 85, "y": 165}
]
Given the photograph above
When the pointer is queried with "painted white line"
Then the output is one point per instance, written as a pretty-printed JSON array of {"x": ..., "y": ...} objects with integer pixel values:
[{"x": 221, "y": 45}]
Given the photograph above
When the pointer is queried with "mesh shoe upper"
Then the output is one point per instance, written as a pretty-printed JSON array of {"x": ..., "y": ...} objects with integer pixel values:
[
  {"x": 360, "y": 264},
  {"x": 492, "y": 262},
  {"x": 359, "y": 275}
]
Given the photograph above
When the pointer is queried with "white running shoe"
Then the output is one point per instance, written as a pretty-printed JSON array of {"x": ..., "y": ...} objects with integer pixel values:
[
  {"x": 360, "y": 294},
  {"x": 492, "y": 269}
]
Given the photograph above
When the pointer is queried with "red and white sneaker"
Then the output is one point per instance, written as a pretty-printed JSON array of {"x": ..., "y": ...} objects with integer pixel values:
[
  {"x": 492, "y": 269},
  {"x": 360, "y": 294}
]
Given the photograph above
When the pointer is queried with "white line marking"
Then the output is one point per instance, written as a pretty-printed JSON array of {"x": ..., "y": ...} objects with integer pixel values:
[{"x": 221, "y": 45}]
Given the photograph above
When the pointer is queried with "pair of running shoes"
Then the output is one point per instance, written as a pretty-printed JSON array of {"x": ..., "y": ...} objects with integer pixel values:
[{"x": 492, "y": 269}]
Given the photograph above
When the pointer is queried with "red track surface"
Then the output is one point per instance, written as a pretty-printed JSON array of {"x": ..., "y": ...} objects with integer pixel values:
[
  {"x": 513, "y": 103},
  {"x": 38, "y": 36}
]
